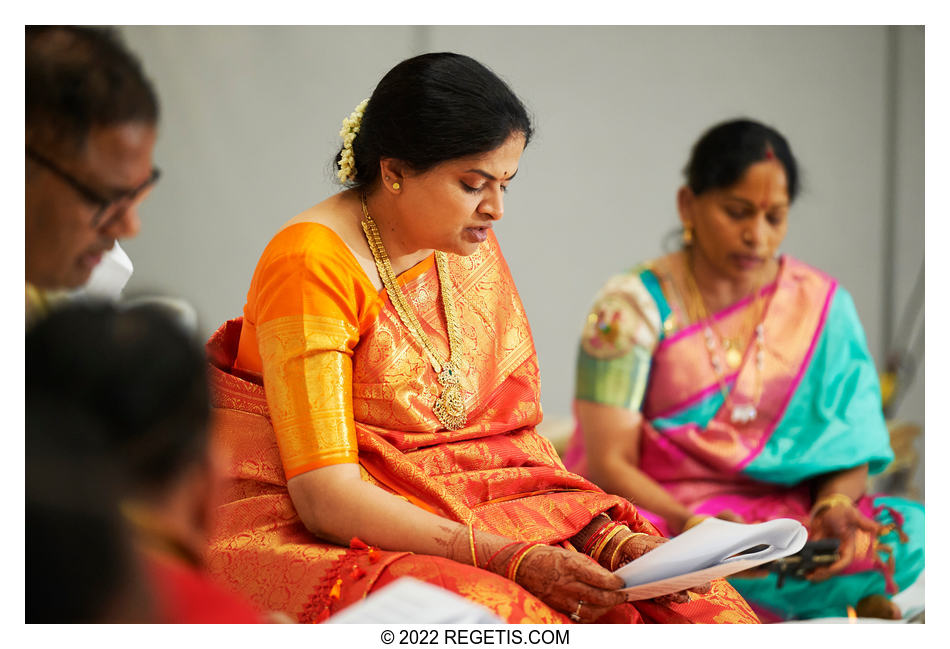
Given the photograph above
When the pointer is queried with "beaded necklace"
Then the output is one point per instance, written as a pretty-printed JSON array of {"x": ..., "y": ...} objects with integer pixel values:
[
  {"x": 742, "y": 413},
  {"x": 449, "y": 406}
]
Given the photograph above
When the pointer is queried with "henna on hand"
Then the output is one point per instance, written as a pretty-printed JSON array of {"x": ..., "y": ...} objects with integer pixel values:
[
  {"x": 455, "y": 540},
  {"x": 632, "y": 546},
  {"x": 635, "y": 546},
  {"x": 842, "y": 522},
  {"x": 570, "y": 582},
  {"x": 838, "y": 521},
  {"x": 561, "y": 578}
]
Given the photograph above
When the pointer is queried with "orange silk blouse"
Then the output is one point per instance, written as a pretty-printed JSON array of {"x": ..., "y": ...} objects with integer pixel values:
[{"x": 308, "y": 304}]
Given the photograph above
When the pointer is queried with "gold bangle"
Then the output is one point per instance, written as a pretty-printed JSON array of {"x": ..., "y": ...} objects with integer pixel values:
[
  {"x": 471, "y": 538},
  {"x": 514, "y": 570},
  {"x": 613, "y": 557},
  {"x": 694, "y": 520},
  {"x": 594, "y": 539},
  {"x": 581, "y": 547},
  {"x": 602, "y": 543},
  {"x": 623, "y": 543},
  {"x": 830, "y": 501},
  {"x": 595, "y": 555}
]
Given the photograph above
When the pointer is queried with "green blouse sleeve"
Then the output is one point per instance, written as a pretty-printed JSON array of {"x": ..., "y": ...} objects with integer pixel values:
[{"x": 619, "y": 338}]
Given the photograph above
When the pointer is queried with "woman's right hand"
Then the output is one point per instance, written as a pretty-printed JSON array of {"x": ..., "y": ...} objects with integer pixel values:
[
  {"x": 729, "y": 515},
  {"x": 562, "y": 579},
  {"x": 636, "y": 546},
  {"x": 845, "y": 523}
]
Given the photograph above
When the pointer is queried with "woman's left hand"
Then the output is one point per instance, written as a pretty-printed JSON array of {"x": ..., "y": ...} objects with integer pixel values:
[
  {"x": 842, "y": 522},
  {"x": 634, "y": 547},
  {"x": 638, "y": 545}
]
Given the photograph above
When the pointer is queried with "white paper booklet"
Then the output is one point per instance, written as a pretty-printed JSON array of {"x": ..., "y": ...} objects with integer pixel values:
[{"x": 708, "y": 551}]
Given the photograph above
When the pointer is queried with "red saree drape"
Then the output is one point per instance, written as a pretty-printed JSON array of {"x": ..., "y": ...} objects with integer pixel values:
[{"x": 496, "y": 473}]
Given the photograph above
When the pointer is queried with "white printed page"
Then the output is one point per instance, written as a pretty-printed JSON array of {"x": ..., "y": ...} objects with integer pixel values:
[
  {"x": 709, "y": 551},
  {"x": 689, "y": 580}
]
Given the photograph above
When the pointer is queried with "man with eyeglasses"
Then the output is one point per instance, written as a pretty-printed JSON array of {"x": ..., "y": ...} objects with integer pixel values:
[{"x": 91, "y": 118}]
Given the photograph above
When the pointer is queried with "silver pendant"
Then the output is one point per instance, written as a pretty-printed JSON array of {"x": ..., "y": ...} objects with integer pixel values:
[{"x": 744, "y": 414}]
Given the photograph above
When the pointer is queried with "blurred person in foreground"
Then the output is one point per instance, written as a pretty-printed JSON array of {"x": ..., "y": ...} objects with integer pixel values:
[
  {"x": 137, "y": 373},
  {"x": 727, "y": 380},
  {"x": 91, "y": 119},
  {"x": 81, "y": 566}
]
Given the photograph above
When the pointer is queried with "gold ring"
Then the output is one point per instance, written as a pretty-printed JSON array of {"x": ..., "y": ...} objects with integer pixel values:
[{"x": 576, "y": 615}]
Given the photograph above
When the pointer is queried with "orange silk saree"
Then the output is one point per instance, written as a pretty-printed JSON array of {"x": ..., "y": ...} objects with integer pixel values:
[{"x": 496, "y": 473}]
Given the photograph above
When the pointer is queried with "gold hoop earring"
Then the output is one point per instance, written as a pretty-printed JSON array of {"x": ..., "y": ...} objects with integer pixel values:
[
  {"x": 687, "y": 235},
  {"x": 395, "y": 185}
]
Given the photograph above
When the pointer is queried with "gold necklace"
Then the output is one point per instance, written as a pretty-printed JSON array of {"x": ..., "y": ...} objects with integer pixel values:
[
  {"x": 734, "y": 348},
  {"x": 743, "y": 413},
  {"x": 449, "y": 406}
]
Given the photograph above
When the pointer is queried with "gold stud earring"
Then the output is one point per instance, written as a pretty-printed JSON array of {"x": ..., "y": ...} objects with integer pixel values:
[
  {"x": 687, "y": 235},
  {"x": 395, "y": 185}
]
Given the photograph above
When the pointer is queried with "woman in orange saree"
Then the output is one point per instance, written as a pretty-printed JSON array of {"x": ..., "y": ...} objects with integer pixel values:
[{"x": 379, "y": 426}]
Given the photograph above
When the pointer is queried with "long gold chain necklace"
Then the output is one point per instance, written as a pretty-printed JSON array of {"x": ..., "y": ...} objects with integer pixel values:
[
  {"x": 449, "y": 406},
  {"x": 742, "y": 413}
]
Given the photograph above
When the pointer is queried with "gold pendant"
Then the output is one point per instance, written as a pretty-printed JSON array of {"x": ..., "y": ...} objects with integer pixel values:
[
  {"x": 733, "y": 357},
  {"x": 449, "y": 407}
]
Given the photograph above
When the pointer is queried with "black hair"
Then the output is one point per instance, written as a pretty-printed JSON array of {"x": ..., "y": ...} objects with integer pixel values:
[
  {"x": 138, "y": 372},
  {"x": 725, "y": 151},
  {"x": 80, "y": 564},
  {"x": 78, "y": 78},
  {"x": 433, "y": 108}
]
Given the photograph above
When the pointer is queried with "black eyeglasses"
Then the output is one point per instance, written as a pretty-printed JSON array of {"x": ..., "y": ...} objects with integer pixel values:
[{"x": 115, "y": 205}]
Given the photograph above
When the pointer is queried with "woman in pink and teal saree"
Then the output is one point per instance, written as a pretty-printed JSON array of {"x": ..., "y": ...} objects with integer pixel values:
[{"x": 724, "y": 380}]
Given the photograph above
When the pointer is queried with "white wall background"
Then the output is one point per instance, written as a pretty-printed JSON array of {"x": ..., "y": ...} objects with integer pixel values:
[{"x": 251, "y": 114}]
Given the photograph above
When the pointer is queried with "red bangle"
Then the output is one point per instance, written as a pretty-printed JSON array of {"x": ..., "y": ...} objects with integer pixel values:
[
  {"x": 492, "y": 557},
  {"x": 593, "y": 538},
  {"x": 617, "y": 528},
  {"x": 517, "y": 557}
]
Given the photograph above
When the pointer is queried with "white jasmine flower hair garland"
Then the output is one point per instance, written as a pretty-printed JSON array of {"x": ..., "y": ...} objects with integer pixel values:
[{"x": 351, "y": 126}]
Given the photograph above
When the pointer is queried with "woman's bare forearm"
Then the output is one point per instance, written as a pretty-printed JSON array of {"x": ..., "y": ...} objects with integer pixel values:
[
  {"x": 619, "y": 477},
  {"x": 612, "y": 437},
  {"x": 336, "y": 504},
  {"x": 851, "y": 482}
]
